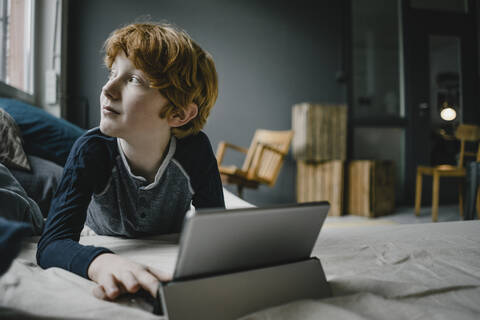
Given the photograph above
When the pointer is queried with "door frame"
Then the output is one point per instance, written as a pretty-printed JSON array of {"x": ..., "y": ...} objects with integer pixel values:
[{"x": 418, "y": 24}]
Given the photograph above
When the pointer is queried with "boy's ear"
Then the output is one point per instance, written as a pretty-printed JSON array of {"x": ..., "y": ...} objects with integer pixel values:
[{"x": 181, "y": 117}]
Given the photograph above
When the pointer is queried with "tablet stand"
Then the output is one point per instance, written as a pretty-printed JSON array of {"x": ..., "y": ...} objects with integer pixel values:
[{"x": 233, "y": 295}]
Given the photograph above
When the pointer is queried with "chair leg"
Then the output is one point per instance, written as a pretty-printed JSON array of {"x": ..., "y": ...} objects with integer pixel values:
[
  {"x": 478, "y": 189},
  {"x": 460, "y": 198},
  {"x": 435, "y": 191},
  {"x": 418, "y": 194},
  {"x": 478, "y": 205},
  {"x": 240, "y": 190},
  {"x": 471, "y": 183}
]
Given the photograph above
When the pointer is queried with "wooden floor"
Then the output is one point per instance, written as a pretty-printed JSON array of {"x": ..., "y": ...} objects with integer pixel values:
[{"x": 402, "y": 215}]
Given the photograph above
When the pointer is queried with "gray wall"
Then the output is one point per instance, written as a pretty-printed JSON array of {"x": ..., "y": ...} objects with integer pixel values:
[{"x": 269, "y": 55}]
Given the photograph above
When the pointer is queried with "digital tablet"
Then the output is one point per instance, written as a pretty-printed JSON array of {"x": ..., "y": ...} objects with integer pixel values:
[{"x": 222, "y": 241}]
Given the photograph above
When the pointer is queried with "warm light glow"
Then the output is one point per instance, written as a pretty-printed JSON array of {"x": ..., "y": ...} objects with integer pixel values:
[{"x": 448, "y": 114}]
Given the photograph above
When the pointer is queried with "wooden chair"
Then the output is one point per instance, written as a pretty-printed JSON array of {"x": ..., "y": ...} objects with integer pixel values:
[
  {"x": 464, "y": 133},
  {"x": 262, "y": 163}
]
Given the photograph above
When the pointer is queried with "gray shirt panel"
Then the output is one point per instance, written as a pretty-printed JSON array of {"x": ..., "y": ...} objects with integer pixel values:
[{"x": 130, "y": 207}]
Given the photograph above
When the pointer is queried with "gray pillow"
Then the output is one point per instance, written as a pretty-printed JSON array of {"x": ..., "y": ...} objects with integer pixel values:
[
  {"x": 16, "y": 205},
  {"x": 41, "y": 182},
  {"x": 12, "y": 154}
]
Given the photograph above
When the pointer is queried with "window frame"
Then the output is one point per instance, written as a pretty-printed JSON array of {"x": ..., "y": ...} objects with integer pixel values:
[{"x": 9, "y": 91}]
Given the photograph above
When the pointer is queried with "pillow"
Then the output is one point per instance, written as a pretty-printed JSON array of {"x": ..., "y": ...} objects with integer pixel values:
[
  {"x": 44, "y": 135},
  {"x": 16, "y": 205},
  {"x": 11, "y": 234},
  {"x": 11, "y": 150},
  {"x": 41, "y": 183},
  {"x": 234, "y": 202}
]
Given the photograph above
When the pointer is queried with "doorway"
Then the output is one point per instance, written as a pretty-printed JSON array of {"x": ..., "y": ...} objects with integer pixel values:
[
  {"x": 441, "y": 84},
  {"x": 409, "y": 60}
]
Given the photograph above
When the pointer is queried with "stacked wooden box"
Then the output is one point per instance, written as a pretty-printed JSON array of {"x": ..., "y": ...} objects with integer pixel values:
[
  {"x": 319, "y": 146},
  {"x": 320, "y": 132},
  {"x": 322, "y": 181},
  {"x": 371, "y": 191}
]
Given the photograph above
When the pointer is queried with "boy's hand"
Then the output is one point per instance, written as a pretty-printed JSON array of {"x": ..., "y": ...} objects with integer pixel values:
[{"x": 116, "y": 275}]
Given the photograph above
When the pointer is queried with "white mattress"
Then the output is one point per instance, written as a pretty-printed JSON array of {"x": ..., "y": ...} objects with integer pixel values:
[
  {"x": 422, "y": 271},
  {"x": 382, "y": 272}
]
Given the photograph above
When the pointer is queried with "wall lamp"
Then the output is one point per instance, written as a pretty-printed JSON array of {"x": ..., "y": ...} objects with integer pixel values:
[{"x": 447, "y": 112}]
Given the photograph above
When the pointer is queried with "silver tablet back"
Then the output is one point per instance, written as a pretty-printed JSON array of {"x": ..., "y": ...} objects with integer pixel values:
[{"x": 215, "y": 242}]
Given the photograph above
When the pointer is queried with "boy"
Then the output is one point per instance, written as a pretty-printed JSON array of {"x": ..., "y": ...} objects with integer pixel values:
[{"x": 139, "y": 171}]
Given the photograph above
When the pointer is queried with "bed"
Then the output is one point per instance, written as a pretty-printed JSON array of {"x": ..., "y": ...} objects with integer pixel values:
[
  {"x": 378, "y": 272},
  {"x": 375, "y": 272}
]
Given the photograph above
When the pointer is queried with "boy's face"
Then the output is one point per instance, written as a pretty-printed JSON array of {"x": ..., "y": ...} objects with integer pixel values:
[{"x": 130, "y": 109}]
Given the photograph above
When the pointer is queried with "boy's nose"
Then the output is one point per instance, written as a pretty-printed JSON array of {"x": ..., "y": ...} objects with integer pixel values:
[{"x": 111, "y": 91}]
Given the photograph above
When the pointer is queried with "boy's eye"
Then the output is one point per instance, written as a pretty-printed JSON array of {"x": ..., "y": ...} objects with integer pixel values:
[
  {"x": 111, "y": 74},
  {"x": 134, "y": 80}
]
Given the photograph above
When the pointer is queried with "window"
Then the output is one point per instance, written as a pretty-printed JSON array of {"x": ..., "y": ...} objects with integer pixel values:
[
  {"x": 378, "y": 112},
  {"x": 16, "y": 46},
  {"x": 445, "y": 78},
  {"x": 376, "y": 59}
]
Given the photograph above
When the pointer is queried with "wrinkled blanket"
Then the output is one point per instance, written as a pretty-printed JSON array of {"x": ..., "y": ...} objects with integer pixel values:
[{"x": 423, "y": 271}]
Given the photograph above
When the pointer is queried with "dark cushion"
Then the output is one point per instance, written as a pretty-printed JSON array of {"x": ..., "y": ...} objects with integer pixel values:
[
  {"x": 16, "y": 205},
  {"x": 44, "y": 135},
  {"x": 11, "y": 234},
  {"x": 41, "y": 183},
  {"x": 11, "y": 149}
]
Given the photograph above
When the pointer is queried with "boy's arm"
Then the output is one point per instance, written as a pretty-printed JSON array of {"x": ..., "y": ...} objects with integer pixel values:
[
  {"x": 86, "y": 171},
  {"x": 87, "y": 167},
  {"x": 209, "y": 192},
  {"x": 206, "y": 178}
]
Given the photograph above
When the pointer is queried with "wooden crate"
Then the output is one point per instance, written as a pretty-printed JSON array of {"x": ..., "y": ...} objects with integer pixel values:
[
  {"x": 320, "y": 132},
  {"x": 371, "y": 188},
  {"x": 322, "y": 181}
]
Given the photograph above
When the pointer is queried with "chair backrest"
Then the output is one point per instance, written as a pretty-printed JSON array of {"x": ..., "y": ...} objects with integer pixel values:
[
  {"x": 262, "y": 163},
  {"x": 467, "y": 133}
]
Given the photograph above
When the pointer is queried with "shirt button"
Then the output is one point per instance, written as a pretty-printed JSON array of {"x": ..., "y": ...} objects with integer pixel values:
[{"x": 142, "y": 215}]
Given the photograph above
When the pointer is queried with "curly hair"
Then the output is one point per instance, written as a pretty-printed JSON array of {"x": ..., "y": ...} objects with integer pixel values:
[{"x": 175, "y": 65}]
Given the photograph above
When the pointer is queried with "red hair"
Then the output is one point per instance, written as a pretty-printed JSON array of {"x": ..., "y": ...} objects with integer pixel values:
[{"x": 182, "y": 71}]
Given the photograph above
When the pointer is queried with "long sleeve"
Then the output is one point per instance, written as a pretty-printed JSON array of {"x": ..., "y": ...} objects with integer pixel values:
[
  {"x": 209, "y": 189},
  {"x": 86, "y": 170},
  {"x": 197, "y": 156}
]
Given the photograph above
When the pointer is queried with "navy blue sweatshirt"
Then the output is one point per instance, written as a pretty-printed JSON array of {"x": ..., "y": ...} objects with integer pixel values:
[{"x": 99, "y": 189}]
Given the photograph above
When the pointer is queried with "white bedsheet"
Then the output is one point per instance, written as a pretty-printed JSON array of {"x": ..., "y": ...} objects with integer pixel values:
[{"x": 425, "y": 271}]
